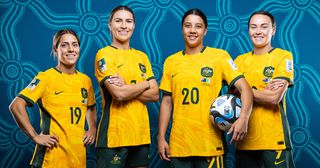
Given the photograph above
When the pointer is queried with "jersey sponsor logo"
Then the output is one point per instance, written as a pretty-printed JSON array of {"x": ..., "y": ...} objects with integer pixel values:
[
  {"x": 102, "y": 65},
  {"x": 278, "y": 162},
  {"x": 268, "y": 71},
  {"x": 206, "y": 72},
  {"x": 174, "y": 75},
  {"x": 56, "y": 93},
  {"x": 33, "y": 84},
  {"x": 289, "y": 65},
  {"x": 232, "y": 64},
  {"x": 116, "y": 159},
  {"x": 120, "y": 65}
]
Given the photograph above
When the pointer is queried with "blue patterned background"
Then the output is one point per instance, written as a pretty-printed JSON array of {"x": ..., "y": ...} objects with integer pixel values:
[{"x": 27, "y": 27}]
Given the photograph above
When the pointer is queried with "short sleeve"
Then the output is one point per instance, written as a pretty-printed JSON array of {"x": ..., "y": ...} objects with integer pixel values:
[
  {"x": 230, "y": 70},
  {"x": 285, "y": 69},
  {"x": 91, "y": 96},
  {"x": 149, "y": 72},
  {"x": 165, "y": 84},
  {"x": 35, "y": 89},
  {"x": 104, "y": 66}
]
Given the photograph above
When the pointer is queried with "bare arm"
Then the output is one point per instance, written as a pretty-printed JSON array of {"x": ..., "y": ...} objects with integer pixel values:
[
  {"x": 19, "y": 113},
  {"x": 126, "y": 91},
  {"x": 151, "y": 94},
  {"x": 164, "y": 118},
  {"x": 272, "y": 94},
  {"x": 91, "y": 117},
  {"x": 240, "y": 127}
]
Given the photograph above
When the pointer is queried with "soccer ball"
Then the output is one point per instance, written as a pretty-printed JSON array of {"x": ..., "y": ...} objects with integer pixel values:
[{"x": 225, "y": 110}]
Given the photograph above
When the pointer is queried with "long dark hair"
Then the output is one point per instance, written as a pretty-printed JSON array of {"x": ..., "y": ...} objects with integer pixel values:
[
  {"x": 59, "y": 34},
  {"x": 121, "y": 7},
  {"x": 262, "y": 12},
  {"x": 197, "y": 12}
]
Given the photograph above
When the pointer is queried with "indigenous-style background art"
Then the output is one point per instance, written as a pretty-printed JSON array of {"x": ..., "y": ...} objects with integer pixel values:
[{"x": 27, "y": 28}]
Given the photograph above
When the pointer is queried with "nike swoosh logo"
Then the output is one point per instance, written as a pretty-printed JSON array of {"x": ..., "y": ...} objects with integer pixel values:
[
  {"x": 119, "y": 66},
  {"x": 174, "y": 75},
  {"x": 56, "y": 93},
  {"x": 278, "y": 162}
]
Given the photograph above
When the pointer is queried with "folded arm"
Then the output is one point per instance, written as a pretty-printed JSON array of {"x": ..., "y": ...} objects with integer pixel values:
[
  {"x": 123, "y": 92},
  {"x": 273, "y": 93},
  {"x": 151, "y": 94}
]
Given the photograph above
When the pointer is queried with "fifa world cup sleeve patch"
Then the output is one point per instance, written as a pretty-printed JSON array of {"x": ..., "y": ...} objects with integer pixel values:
[
  {"x": 102, "y": 65},
  {"x": 33, "y": 84},
  {"x": 232, "y": 64},
  {"x": 289, "y": 65}
]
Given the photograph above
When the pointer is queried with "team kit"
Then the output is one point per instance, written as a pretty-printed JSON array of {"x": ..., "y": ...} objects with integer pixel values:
[{"x": 195, "y": 113}]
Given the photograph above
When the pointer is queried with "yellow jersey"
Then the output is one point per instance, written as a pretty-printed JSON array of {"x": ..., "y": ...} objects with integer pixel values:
[
  {"x": 122, "y": 123},
  {"x": 268, "y": 125},
  {"x": 194, "y": 81},
  {"x": 63, "y": 100}
]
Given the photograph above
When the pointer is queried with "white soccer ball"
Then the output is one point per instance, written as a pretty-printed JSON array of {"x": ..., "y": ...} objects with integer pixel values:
[{"x": 225, "y": 110}]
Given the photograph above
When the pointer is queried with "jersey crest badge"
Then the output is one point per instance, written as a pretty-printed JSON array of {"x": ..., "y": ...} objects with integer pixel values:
[
  {"x": 232, "y": 64},
  {"x": 289, "y": 65},
  {"x": 33, "y": 84},
  {"x": 84, "y": 93},
  {"x": 142, "y": 68},
  {"x": 116, "y": 159},
  {"x": 206, "y": 72},
  {"x": 268, "y": 71},
  {"x": 102, "y": 65}
]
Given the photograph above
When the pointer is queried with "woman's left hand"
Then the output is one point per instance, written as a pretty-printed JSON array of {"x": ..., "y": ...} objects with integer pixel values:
[{"x": 89, "y": 137}]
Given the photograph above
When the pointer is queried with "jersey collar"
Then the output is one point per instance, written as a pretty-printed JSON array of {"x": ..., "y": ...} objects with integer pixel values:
[
  {"x": 202, "y": 50},
  {"x": 268, "y": 51}
]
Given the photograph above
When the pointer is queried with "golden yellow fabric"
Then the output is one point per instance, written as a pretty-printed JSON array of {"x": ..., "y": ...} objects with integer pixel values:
[
  {"x": 194, "y": 81},
  {"x": 122, "y": 123},
  {"x": 267, "y": 124},
  {"x": 63, "y": 100}
]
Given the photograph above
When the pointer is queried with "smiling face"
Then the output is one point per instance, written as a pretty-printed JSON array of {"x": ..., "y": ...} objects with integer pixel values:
[
  {"x": 121, "y": 26},
  {"x": 194, "y": 30},
  {"x": 67, "y": 50},
  {"x": 261, "y": 30}
]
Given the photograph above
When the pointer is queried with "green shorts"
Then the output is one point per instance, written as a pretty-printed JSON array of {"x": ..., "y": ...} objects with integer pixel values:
[
  {"x": 198, "y": 162},
  {"x": 264, "y": 158},
  {"x": 131, "y": 156}
]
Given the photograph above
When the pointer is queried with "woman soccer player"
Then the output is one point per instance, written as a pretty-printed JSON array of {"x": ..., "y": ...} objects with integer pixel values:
[
  {"x": 191, "y": 80},
  {"x": 65, "y": 97},
  {"x": 269, "y": 71},
  {"x": 127, "y": 83}
]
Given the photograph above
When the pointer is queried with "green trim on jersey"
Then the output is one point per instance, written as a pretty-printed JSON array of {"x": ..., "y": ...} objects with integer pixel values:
[
  {"x": 150, "y": 78},
  {"x": 235, "y": 79},
  {"x": 31, "y": 103},
  {"x": 104, "y": 79},
  {"x": 285, "y": 126},
  {"x": 165, "y": 92},
  {"x": 92, "y": 106},
  {"x": 102, "y": 132},
  {"x": 287, "y": 79},
  {"x": 40, "y": 150}
]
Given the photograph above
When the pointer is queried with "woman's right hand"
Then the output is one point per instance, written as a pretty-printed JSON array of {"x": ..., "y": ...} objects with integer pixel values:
[
  {"x": 49, "y": 141},
  {"x": 116, "y": 80},
  {"x": 163, "y": 149}
]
